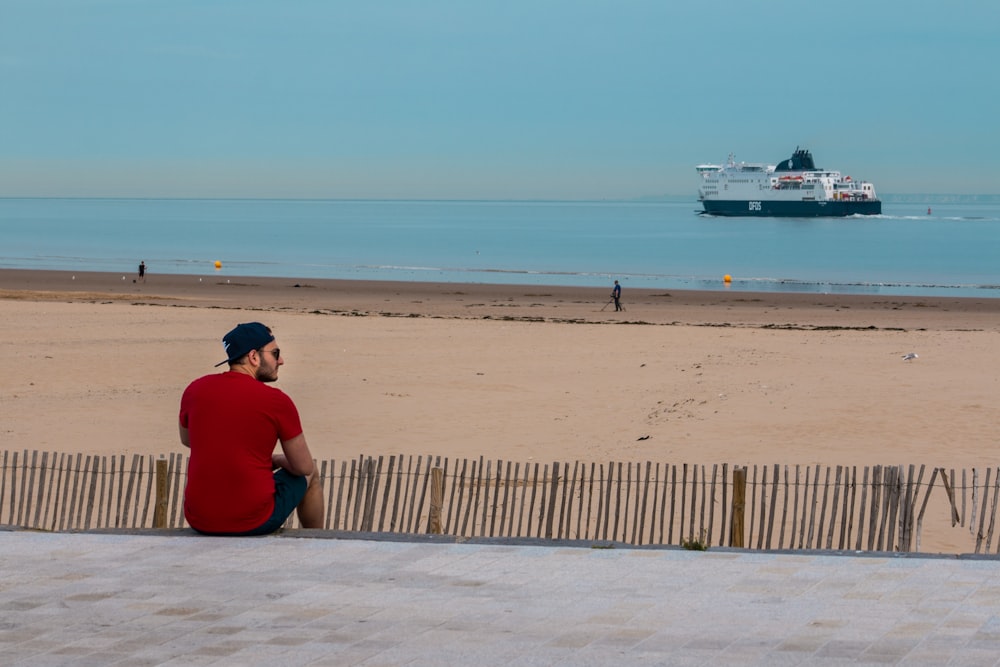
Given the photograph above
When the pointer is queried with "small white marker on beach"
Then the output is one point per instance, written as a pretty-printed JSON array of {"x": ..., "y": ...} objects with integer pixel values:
[{"x": 910, "y": 357}]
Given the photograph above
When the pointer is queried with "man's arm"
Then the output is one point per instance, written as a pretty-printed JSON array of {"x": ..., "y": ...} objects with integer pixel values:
[
  {"x": 185, "y": 438},
  {"x": 297, "y": 459}
]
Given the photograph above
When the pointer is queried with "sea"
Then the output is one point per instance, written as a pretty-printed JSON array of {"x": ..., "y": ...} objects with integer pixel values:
[{"x": 917, "y": 249}]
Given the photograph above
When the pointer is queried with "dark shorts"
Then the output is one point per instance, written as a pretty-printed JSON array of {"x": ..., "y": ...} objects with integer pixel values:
[{"x": 289, "y": 490}]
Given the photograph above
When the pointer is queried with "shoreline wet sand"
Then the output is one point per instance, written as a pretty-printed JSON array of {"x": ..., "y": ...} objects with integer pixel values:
[{"x": 528, "y": 302}]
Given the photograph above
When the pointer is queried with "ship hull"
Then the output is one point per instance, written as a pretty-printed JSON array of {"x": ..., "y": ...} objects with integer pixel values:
[{"x": 791, "y": 209}]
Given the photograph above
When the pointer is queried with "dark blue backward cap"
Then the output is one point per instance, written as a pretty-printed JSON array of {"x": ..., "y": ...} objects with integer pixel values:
[{"x": 242, "y": 339}]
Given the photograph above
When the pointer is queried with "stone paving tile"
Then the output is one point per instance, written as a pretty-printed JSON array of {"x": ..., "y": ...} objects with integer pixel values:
[{"x": 319, "y": 599}]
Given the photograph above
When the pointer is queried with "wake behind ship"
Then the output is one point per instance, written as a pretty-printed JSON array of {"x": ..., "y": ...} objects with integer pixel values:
[{"x": 794, "y": 188}]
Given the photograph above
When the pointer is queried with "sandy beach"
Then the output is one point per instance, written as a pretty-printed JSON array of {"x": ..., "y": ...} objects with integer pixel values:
[{"x": 96, "y": 364}]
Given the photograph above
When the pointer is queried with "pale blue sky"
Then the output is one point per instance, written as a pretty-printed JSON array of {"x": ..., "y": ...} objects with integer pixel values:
[{"x": 551, "y": 99}]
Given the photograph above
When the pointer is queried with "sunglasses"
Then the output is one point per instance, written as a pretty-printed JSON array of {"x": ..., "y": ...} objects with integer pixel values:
[{"x": 276, "y": 352}]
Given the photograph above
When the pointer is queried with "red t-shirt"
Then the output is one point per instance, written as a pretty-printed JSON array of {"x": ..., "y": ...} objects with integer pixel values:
[{"x": 233, "y": 422}]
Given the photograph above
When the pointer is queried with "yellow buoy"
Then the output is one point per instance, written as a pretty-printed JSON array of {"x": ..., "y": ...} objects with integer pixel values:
[
  {"x": 218, "y": 264},
  {"x": 727, "y": 278}
]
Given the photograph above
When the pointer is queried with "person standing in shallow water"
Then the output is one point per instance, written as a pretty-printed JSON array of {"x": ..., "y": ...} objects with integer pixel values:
[
  {"x": 616, "y": 294},
  {"x": 237, "y": 483},
  {"x": 142, "y": 271}
]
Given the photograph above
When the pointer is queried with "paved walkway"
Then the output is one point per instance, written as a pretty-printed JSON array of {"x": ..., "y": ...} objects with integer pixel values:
[{"x": 180, "y": 599}]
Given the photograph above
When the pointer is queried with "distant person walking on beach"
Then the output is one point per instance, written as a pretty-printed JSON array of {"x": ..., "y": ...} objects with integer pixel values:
[
  {"x": 142, "y": 271},
  {"x": 616, "y": 294},
  {"x": 237, "y": 483}
]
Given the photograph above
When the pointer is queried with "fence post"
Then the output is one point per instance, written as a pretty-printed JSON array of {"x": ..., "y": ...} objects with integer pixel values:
[
  {"x": 437, "y": 500},
  {"x": 739, "y": 503},
  {"x": 551, "y": 510},
  {"x": 160, "y": 509}
]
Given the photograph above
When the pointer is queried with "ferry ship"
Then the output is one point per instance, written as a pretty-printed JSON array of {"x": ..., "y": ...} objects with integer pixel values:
[{"x": 794, "y": 188}]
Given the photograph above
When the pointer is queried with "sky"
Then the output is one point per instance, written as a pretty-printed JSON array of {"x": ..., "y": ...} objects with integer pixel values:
[{"x": 514, "y": 99}]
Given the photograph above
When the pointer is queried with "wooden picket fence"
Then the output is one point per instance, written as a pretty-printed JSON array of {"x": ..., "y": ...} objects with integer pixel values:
[{"x": 879, "y": 508}]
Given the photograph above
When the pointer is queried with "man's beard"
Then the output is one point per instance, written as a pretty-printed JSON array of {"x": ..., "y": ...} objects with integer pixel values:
[{"x": 267, "y": 373}]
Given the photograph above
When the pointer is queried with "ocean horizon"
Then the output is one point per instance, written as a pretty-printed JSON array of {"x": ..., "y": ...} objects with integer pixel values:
[{"x": 922, "y": 245}]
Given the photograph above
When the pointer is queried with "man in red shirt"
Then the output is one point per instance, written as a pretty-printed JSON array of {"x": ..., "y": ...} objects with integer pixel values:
[{"x": 237, "y": 484}]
